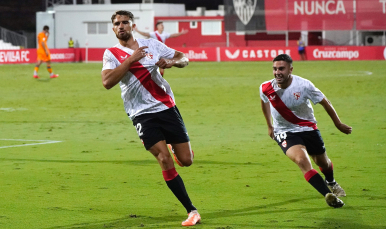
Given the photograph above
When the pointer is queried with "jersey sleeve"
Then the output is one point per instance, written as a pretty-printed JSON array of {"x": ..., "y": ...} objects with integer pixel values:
[
  {"x": 152, "y": 35},
  {"x": 167, "y": 35},
  {"x": 108, "y": 61},
  {"x": 164, "y": 51},
  {"x": 262, "y": 96},
  {"x": 314, "y": 94}
]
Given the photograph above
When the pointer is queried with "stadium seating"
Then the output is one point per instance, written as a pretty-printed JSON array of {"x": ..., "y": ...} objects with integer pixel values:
[{"x": 7, "y": 46}]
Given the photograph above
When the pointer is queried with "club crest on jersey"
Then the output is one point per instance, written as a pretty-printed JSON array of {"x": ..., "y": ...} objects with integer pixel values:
[
  {"x": 149, "y": 55},
  {"x": 284, "y": 144},
  {"x": 123, "y": 57},
  {"x": 297, "y": 95},
  {"x": 272, "y": 97}
]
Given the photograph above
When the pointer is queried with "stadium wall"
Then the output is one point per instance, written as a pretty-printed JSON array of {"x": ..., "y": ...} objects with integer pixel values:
[
  {"x": 74, "y": 20},
  {"x": 210, "y": 54}
]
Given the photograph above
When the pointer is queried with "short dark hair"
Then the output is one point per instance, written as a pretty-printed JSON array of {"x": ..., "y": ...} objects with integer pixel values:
[
  {"x": 159, "y": 22},
  {"x": 283, "y": 57},
  {"x": 123, "y": 12},
  {"x": 46, "y": 27}
]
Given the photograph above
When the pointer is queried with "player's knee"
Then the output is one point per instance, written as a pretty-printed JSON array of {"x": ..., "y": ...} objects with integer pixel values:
[
  {"x": 165, "y": 159},
  {"x": 186, "y": 162},
  {"x": 302, "y": 162}
]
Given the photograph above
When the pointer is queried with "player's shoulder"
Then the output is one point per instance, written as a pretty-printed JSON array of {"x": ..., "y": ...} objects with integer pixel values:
[
  {"x": 301, "y": 81},
  {"x": 267, "y": 83},
  {"x": 153, "y": 44},
  {"x": 109, "y": 51},
  {"x": 147, "y": 42},
  {"x": 265, "y": 86}
]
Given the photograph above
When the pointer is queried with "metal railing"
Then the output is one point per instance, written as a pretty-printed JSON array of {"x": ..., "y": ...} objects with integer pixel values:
[{"x": 13, "y": 38}]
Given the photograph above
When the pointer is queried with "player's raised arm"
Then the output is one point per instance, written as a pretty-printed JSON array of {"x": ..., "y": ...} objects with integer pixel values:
[
  {"x": 179, "y": 60},
  {"x": 183, "y": 31},
  {"x": 334, "y": 116},
  {"x": 111, "y": 77},
  {"x": 145, "y": 34}
]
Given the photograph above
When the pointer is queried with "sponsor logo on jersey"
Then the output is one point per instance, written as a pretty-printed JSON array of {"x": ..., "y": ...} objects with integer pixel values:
[
  {"x": 284, "y": 144},
  {"x": 123, "y": 57},
  {"x": 245, "y": 9},
  {"x": 297, "y": 95},
  {"x": 163, "y": 88},
  {"x": 272, "y": 97}
]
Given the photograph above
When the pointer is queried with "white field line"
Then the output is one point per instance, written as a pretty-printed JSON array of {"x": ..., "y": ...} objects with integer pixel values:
[{"x": 38, "y": 142}]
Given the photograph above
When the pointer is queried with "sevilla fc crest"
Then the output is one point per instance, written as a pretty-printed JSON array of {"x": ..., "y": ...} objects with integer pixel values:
[
  {"x": 149, "y": 55},
  {"x": 284, "y": 144},
  {"x": 297, "y": 95},
  {"x": 245, "y": 9}
]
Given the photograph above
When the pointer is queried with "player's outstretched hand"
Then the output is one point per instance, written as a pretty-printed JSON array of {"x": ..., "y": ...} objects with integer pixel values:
[
  {"x": 344, "y": 128},
  {"x": 184, "y": 31},
  {"x": 138, "y": 54},
  {"x": 165, "y": 63}
]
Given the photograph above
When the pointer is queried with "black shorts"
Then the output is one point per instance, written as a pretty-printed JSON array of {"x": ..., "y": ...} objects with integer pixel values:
[
  {"x": 301, "y": 51},
  {"x": 312, "y": 140},
  {"x": 165, "y": 125}
]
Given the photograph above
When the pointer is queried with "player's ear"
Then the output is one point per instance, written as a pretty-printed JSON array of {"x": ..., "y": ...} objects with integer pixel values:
[{"x": 133, "y": 27}]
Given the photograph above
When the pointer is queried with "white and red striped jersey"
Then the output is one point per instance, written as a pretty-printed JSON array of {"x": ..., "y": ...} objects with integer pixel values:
[
  {"x": 159, "y": 36},
  {"x": 143, "y": 88},
  {"x": 291, "y": 109}
]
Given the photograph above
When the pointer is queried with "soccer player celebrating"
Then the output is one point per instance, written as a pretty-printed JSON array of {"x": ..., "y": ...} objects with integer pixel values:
[
  {"x": 286, "y": 99},
  {"x": 43, "y": 53},
  {"x": 149, "y": 100},
  {"x": 161, "y": 35}
]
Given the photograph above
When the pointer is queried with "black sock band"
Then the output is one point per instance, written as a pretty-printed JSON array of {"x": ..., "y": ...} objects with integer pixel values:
[
  {"x": 178, "y": 188},
  {"x": 317, "y": 182}
]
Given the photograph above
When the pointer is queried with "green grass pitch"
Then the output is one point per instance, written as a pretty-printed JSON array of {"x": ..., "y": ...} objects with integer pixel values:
[{"x": 100, "y": 176}]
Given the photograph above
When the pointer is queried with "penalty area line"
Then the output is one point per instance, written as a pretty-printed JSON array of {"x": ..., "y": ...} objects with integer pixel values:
[{"x": 37, "y": 142}]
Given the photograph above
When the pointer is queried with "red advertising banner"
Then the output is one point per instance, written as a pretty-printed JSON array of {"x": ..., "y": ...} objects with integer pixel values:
[
  {"x": 29, "y": 56},
  {"x": 211, "y": 54},
  {"x": 309, "y": 15},
  {"x": 371, "y": 15},
  {"x": 345, "y": 53},
  {"x": 199, "y": 54},
  {"x": 256, "y": 53}
]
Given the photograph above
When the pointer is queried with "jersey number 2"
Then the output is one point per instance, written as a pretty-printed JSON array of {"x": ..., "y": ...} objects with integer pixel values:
[{"x": 139, "y": 129}]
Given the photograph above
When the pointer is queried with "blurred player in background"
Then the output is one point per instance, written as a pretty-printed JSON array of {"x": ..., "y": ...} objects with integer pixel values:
[
  {"x": 286, "y": 99},
  {"x": 301, "y": 49},
  {"x": 161, "y": 35},
  {"x": 43, "y": 53},
  {"x": 149, "y": 100}
]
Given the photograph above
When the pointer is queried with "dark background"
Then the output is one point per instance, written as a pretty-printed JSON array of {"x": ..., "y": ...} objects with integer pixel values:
[{"x": 20, "y": 15}]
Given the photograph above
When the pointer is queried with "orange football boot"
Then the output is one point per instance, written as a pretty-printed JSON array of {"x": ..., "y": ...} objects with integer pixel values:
[
  {"x": 193, "y": 219},
  {"x": 174, "y": 155}
]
